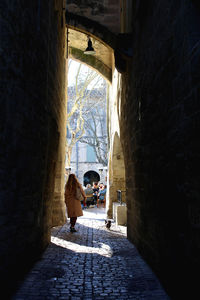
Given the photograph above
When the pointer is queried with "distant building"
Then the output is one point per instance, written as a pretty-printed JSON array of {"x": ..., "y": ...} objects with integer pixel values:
[
  {"x": 84, "y": 161},
  {"x": 84, "y": 164}
]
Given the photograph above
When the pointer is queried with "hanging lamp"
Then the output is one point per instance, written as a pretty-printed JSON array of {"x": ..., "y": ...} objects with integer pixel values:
[{"x": 89, "y": 50}]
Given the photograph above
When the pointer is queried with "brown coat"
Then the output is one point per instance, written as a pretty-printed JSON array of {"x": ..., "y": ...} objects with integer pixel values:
[{"x": 73, "y": 205}]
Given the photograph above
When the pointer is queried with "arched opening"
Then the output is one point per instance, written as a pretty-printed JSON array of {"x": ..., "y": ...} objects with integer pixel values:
[
  {"x": 90, "y": 177},
  {"x": 117, "y": 187},
  {"x": 104, "y": 42}
]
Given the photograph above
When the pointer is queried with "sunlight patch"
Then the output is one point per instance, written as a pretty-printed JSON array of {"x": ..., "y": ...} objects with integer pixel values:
[{"x": 103, "y": 250}]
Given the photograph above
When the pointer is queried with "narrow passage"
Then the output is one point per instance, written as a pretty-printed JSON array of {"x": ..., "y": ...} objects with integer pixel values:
[{"x": 94, "y": 263}]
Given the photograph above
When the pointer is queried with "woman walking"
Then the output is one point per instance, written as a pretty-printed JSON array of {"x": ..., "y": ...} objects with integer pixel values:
[{"x": 73, "y": 195}]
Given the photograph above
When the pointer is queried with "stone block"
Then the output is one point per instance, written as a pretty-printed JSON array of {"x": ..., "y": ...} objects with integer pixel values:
[{"x": 121, "y": 215}]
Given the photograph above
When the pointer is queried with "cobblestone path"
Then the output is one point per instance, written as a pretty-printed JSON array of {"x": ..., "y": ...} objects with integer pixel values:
[{"x": 94, "y": 263}]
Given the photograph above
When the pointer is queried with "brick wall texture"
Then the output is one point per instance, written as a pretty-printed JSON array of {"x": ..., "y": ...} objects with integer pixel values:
[
  {"x": 160, "y": 122},
  {"x": 32, "y": 89}
]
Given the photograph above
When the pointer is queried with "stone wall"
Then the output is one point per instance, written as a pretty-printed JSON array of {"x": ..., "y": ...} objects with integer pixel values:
[
  {"x": 105, "y": 12},
  {"x": 32, "y": 103},
  {"x": 159, "y": 132},
  {"x": 116, "y": 173}
]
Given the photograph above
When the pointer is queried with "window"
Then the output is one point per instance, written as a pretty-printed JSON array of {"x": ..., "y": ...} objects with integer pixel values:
[{"x": 91, "y": 156}]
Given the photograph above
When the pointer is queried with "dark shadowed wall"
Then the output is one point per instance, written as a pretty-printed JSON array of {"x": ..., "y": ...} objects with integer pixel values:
[
  {"x": 32, "y": 100},
  {"x": 160, "y": 127},
  {"x": 105, "y": 12}
]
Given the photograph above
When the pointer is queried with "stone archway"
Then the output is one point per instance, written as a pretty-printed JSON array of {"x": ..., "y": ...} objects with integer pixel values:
[
  {"x": 90, "y": 177},
  {"x": 104, "y": 42}
]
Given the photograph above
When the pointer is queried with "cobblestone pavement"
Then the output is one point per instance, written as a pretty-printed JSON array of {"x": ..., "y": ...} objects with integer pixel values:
[{"x": 93, "y": 263}]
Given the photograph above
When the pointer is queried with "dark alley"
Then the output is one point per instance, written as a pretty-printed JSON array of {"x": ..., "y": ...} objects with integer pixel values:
[{"x": 141, "y": 145}]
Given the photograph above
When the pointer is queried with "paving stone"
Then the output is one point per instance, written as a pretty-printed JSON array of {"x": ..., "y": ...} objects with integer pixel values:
[{"x": 92, "y": 264}]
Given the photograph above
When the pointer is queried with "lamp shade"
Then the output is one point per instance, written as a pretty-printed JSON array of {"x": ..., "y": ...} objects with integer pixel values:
[{"x": 89, "y": 50}]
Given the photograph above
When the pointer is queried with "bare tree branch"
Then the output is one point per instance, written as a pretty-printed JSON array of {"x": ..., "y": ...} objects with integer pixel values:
[{"x": 83, "y": 114}]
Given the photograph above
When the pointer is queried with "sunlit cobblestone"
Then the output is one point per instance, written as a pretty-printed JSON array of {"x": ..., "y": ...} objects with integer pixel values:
[{"x": 92, "y": 264}]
